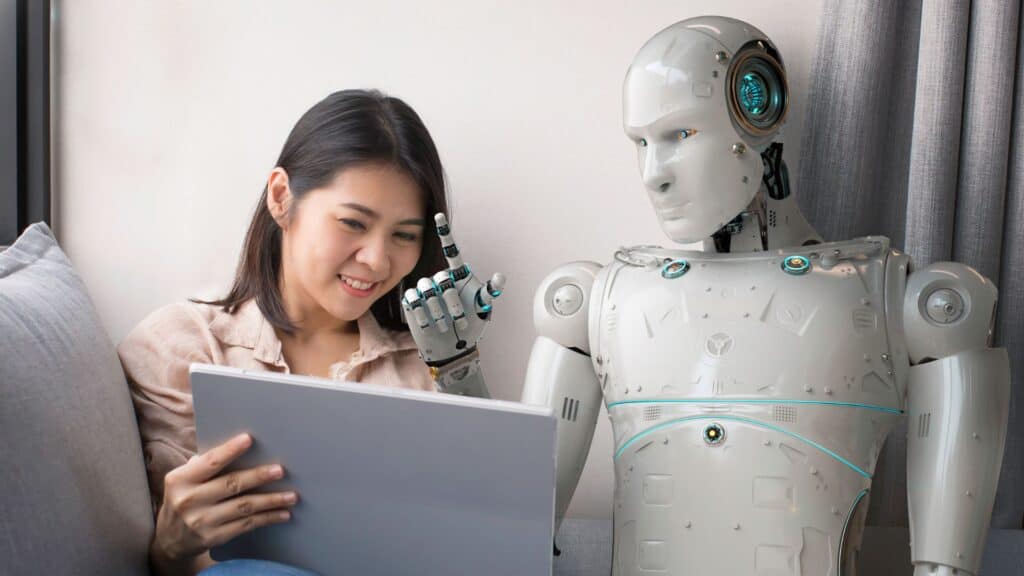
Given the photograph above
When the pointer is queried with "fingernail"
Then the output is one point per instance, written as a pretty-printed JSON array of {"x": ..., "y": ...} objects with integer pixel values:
[
  {"x": 276, "y": 471},
  {"x": 284, "y": 515},
  {"x": 290, "y": 498},
  {"x": 243, "y": 439}
]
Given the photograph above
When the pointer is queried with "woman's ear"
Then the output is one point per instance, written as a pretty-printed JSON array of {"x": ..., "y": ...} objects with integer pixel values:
[{"x": 279, "y": 196}]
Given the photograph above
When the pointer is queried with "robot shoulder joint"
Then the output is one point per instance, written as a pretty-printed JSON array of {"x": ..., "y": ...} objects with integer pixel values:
[
  {"x": 948, "y": 308},
  {"x": 562, "y": 302}
]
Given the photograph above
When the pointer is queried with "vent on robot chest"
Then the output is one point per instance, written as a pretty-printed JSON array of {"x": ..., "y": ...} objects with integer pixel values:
[
  {"x": 784, "y": 413},
  {"x": 652, "y": 413},
  {"x": 771, "y": 218}
]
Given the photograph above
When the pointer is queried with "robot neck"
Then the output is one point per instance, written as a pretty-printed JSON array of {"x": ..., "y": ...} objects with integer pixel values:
[{"x": 772, "y": 220}]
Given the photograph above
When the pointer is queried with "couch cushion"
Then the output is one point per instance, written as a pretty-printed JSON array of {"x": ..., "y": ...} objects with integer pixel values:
[{"x": 73, "y": 492}]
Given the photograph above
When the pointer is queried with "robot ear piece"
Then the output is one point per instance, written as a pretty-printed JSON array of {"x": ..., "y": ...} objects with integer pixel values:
[{"x": 758, "y": 93}]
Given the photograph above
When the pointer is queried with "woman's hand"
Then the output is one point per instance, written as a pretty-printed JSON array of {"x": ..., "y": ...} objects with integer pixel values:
[
  {"x": 447, "y": 313},
  {"x": 203, "y": 508}
]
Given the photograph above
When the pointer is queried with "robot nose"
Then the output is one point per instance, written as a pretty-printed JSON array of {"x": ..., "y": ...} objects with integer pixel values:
[
  {"x": 657, "y": 180},
  {"x": 656, "y": 177}
]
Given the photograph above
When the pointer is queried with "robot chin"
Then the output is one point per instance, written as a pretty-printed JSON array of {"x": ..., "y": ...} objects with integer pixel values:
[{"x": 688, "y": 230}]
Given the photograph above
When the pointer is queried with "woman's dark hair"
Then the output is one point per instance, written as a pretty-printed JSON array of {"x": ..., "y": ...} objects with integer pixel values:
[{"x": 346, "y": 129}]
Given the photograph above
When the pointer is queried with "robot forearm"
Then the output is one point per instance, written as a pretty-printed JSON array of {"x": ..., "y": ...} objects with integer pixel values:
[
  {"x": 564, "y": 380},
  {"x": 957, "y": 429}
]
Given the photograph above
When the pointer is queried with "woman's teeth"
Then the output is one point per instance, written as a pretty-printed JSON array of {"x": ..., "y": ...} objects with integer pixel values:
[{"x": 358, "y": 285}]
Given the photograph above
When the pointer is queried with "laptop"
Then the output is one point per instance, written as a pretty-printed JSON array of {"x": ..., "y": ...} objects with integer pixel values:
[{"x": 391, "y": 482}]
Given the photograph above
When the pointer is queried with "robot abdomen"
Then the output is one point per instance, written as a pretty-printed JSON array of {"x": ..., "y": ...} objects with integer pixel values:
[{"x": 735, "y": 492}]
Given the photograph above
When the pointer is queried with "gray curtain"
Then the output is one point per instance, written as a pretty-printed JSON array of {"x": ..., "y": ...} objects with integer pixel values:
[{"x": 915, "y": 130}]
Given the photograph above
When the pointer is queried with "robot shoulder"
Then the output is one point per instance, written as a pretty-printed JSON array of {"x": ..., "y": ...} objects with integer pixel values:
[
  {"x": 562, "y": 302},
  {"x": 948, "y": 308}
]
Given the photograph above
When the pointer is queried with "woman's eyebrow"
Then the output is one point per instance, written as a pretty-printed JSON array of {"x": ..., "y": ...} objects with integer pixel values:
[
  {"x": 373, "y": 214},
  {"x": 360, "y": 208}
]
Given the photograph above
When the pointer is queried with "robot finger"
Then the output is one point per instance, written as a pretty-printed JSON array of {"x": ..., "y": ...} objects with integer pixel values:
[
  {"x": 450, "y": 295},
  {"x": 487, "y": 293},
  {"x": 430, "y": 294},
  {"x": 451, "y": 251},
  {"x": 413, "y": 302}
]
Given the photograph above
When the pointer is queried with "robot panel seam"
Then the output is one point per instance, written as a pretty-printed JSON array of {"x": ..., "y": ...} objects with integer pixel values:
[
  {"x": 749, "y": 421},
  {"x": 759, "y": 401}
]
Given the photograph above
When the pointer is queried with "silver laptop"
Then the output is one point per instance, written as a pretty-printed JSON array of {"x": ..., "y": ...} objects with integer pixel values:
[{"x": 391, "y": 482}]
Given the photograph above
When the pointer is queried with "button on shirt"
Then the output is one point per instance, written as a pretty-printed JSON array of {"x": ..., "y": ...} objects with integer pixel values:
[{"x": 156, "y": 356}]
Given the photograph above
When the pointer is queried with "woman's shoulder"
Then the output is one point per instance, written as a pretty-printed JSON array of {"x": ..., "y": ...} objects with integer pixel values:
[{"x": 185, "y": 315}]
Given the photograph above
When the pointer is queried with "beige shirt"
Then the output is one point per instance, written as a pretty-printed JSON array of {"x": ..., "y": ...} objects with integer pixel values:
[{"x": 157, "y": 353}]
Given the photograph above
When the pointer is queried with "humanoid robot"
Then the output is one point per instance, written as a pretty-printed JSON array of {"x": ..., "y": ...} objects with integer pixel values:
[{"x": 751, "y": 384}]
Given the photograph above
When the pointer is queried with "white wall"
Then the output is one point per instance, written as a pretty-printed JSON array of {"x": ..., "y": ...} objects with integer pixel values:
[{"x": 169, "y": 115}]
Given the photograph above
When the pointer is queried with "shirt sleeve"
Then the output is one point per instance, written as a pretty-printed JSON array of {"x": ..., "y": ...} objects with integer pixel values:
[{"x": 156, "y": 356}]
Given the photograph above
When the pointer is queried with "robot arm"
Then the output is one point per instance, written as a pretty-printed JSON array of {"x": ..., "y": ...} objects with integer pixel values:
[
  {"x": 958, "y": 397},
  {"x": 560, "y": 374}
]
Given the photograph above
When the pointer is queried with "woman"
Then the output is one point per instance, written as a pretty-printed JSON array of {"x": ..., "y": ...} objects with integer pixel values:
[{"x": 340, "y": 233}]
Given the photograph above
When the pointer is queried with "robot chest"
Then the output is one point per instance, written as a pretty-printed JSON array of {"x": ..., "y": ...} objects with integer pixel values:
[{"x": 743, "y": 328}]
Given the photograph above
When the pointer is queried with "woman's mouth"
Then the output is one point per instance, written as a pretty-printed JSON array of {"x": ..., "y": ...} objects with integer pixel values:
[{"x": 357, "y": 287}]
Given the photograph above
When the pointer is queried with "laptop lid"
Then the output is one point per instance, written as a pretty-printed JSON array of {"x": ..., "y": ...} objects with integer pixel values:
[{"x": 391, "y": 481}]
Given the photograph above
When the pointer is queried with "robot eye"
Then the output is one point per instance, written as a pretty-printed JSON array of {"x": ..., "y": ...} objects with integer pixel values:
[{"x": 684, "y": 134}]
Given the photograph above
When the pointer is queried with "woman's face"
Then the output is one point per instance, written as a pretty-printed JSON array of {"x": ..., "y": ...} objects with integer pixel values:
[{"x": 348, "y": 243}]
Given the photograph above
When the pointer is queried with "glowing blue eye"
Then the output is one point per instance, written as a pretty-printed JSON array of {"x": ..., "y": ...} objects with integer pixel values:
[
  {"x": 643, "y": 142},
  {"x": 753, "y": 93},
  {"x": 684, "y": 134}
]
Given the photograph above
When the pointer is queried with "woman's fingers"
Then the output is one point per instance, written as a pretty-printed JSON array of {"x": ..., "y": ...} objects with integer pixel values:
[
  {"x": 238, "y": 508},
  {"x": 226, "y": 532},
  {"x": 230, "y": 485},
  {"x": 202, "y": 467}
]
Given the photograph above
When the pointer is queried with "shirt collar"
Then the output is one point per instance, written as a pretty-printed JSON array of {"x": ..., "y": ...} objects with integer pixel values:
[{"x": 248, "y": 328}]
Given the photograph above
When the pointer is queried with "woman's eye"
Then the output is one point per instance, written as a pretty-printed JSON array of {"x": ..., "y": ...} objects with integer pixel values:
[
  {"x": 405, "y": 236},
  {"x": 684, "y": 134},
  {"x": 353, "y": 224},
  {"x": 643, "y": 142}
]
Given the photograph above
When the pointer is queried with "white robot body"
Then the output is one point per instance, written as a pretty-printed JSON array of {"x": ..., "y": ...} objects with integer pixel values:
[{"x": 751, "y": 385}]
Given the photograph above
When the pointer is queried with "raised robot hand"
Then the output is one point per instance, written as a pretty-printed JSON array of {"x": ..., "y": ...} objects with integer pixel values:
[{"x": 447, "y": 315}]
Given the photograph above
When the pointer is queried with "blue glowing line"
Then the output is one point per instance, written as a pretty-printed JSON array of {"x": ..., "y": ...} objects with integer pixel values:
[
  {"x": 653, "y": 429},
  {"x": 842, "y": 539},
  {"x": 757, "y": 401}
]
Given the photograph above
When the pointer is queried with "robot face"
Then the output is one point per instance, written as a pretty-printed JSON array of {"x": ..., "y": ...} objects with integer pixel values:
[{"x": 700, "y": 113}]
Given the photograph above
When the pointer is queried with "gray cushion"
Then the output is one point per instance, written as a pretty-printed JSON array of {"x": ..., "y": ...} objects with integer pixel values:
[{"x": 73, "y": 492}]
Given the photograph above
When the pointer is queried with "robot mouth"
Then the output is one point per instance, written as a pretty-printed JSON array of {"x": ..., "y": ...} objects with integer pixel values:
[{"x": 675, "y": 212}]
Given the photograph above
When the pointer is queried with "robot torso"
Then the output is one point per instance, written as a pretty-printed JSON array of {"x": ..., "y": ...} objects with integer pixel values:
[{"x": 750, "y": 396}]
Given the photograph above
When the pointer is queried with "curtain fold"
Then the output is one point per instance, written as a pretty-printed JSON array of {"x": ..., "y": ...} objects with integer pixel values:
[{"x": 914, "y": 131}]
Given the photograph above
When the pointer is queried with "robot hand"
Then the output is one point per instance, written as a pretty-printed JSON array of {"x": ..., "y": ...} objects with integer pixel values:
[{"x": 448, "y": 312}]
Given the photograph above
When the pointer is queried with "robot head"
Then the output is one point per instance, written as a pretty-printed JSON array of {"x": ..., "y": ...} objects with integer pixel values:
[{"x": 702, "y": 99}]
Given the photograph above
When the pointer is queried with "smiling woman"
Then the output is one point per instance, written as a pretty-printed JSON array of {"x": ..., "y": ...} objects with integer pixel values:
[{"x": 338, "y": 236}]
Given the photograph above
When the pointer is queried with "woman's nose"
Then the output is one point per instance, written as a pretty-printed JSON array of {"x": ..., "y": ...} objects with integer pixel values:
[{"x": 374, "y": 254}]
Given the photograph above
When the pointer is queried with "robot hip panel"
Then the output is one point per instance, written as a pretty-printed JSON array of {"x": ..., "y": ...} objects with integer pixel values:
[{"x": 730, "y": 495}]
